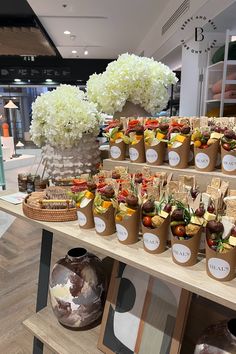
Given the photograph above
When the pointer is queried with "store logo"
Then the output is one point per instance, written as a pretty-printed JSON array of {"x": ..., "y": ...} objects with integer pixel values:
[{"x": 198, "y": 28}]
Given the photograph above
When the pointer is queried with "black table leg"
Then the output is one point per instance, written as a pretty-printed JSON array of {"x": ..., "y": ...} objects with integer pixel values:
[{"x": 43, "y": 280}]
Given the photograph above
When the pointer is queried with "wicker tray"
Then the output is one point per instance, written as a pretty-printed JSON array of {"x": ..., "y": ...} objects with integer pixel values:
[{"x": 47, "y": 214}]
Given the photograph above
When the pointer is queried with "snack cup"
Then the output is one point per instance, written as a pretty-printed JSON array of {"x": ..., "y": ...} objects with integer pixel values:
[
  {"x": 105, "y": 223},
  {"x": 155, "y": 240},
  {"x": 137, "y": 152},
  {"x": 202, "y": 247},
  {"x": 179, "y": 157},
  {"x": 220, "y": 266},
  {"x": 218, "y": 160},
  {"x": 117, "y": 150},
  {"x": 184, "y": 252},
  {"x": 205, "y": 159},
  {"x": 191, "y": 155},
  {"x": 128, "y": 228},
  {"x": 228, "y": 158},
  {"x": 155, "y": 154},
  {"x": 85, "y": 215}
]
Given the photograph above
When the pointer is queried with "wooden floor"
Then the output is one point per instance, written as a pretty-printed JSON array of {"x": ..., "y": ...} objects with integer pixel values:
[{"x": 19, "y": 262}]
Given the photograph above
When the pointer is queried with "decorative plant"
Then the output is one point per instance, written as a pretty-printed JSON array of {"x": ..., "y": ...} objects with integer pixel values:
[
  {"x": 139, "y": 80},
  {"x": 62, "y": 116}
]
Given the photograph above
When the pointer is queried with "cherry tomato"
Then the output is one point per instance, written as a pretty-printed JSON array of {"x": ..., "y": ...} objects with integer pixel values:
[
  {"x": 211, "y": 242},
  {"x": 179, "y": 230},
  {"x": 226, "y": 146},
  {"x": 147, "y": 221},
  {"x": 204, "y": 146}
]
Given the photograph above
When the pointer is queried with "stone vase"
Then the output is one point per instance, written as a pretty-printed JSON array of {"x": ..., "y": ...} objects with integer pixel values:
[
  {"x": 131, "y": 110},
  {"x": 76, "y": 287},
  {"x": 71, "y": 162}
]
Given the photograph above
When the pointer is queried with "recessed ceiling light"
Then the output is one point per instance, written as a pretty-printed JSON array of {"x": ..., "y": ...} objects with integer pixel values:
[
  {"x": 66, "y": 32},
  {"x": 74, "y": 51},
  {"x": 48, "y": 80},
  {"x": 86, "y": 52},
  {"x": 14, "y": 98},
  {"x": 17, "y": 80}
]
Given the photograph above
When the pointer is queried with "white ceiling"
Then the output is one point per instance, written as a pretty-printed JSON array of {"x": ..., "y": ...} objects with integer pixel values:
[{"x": 106, "y": 28}]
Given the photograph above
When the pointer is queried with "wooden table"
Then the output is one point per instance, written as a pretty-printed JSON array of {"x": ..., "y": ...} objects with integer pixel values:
[{"x": 44, "y": 325}]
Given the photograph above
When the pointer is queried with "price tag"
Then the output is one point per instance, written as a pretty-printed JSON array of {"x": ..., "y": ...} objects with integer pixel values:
[
  {"x": 151, "y": 155},
  {"x": 219, "y": 268},
  {"x": 100, "y": 225},
  {"x": 133, "y": 154},
  {"x": 181, "y": 253},
  {"x": 174, "y": 158},
  {"x": 229, "y": 163},
  {"x": 151, "y": 241},
  {"x": 202, "y": 160},
  {"x": 115, "y": 152},
  {"x": 81, "y": 218},
  {"x": 122, "y": 232}
]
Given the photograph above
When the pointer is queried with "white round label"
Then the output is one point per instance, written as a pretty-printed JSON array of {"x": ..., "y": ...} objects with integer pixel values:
[
  {"x": 115, "y": 152},
  {"x": 100, "y": 225},
  {"x": 81, "y": 218},
  {"x": 202, "y": 160},
  {"x": 133, "y": 154},
  {"x": 229, "y": 163},
  {"x": 181, "y": 253},
  {"x": 219, "y": 268},
  {"x": 174, "y": 158},
  {"x": 151, "y": 155},
  {"x": 151, "y": 241},
  {"x": 122, "y": 232}
]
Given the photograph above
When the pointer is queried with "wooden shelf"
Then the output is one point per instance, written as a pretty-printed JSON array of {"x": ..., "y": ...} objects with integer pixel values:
[
  {"x": 109, "y": 164},
  {"x": 59, "y": 339},
  {"x": 161, "y": 266}
]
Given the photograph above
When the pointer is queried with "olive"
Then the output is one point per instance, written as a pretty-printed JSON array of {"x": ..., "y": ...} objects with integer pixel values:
[
  {"x": 148, "y": 206},
  {"x": 229, "y": 134},
  {"x": 177, "y": 215},
  {"x": 115, "y": 175},
  {"x": 163, "y": 127},
  {"x": 211, "y": 209},
  {"x": 108, "y": 192},
  {"x": 185, "y": 129},
  {"x": 132, "y": 200},
  {"x": 200, "y": 211},
  {"x": 91, "y": 186},
  {"x": 167, "y": 208},
  {"x": 194, "y": 192},
  {"x": 215, "y": 226},
  {"x": 139, "y": 129}
]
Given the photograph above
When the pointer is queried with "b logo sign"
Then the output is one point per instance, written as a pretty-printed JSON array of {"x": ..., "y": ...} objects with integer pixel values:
[{"x": 199, "y": 36}]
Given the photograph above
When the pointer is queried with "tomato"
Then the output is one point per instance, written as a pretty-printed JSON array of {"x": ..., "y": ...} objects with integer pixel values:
[
  {"x": 197, "y": 143},
  {"x": 147, "y": 221},
  {"x": 204, "y": 146},
  {"x": 179, "y": 230},
  {"x": 211, "y": 242},
  {"x": 226, "y": 146}
]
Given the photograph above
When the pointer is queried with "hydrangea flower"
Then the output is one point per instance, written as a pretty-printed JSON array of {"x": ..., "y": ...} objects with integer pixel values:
[{"x": 139, "y": 80}]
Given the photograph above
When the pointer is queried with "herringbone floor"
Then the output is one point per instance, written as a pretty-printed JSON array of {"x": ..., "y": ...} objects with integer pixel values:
[{"x": 19, "y": 262}]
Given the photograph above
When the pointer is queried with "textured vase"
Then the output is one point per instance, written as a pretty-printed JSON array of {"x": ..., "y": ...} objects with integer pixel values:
[
  {"x": 131, "y": 110},
  {"x": 218, "y": 339},
  {"x": 77, "y": 285},
  {"x": 71, "y": 162}
]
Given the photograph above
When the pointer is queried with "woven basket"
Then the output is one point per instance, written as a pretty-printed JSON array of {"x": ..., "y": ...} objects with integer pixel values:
[{"x": 53, "y": 215}]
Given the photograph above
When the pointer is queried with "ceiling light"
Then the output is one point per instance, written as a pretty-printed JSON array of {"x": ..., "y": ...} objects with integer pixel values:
[
  {"x": 10, "y": 104},
  {"x": 48, "y": 80},
  {"x": 14, "y": 98},
  {"x": 86, "y": 52},
  {"x": 17, "y": 80},
  {"x": 66, "y": 32},
  {"x": 74, "y": 51}
]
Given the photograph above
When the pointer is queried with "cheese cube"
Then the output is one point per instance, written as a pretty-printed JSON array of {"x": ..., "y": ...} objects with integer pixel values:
[
  {"x": 180, "y": 138},
  {"x": 163, "y": 214},
  {"x": 208, "y": 216},
  {"x": 232, "y": 240},
  {"x": 216, "y": 135},
  {"x": 197, "y": 220}
]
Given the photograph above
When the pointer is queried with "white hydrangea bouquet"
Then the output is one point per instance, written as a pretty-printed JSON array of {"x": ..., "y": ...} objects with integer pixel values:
[
  {"x": 65, "y": 124},
  {"x": 61, "y": 117},
  {"x": 140, "y": 80}
]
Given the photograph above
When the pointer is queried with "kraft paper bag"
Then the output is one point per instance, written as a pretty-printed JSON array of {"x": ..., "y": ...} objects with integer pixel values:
[
  {"x": 205, "y": 159},
  {"x": 228, "y": 165},
  {"x": 117, "y": 151},
  {"x": 179, "y": 157},
  {"x": 137, "y": 152},
  {"x": 155, "y": 240},
  {"x": 105, "y": 223},
  {"x": 184, "y": 252},
  {"x": 128, "y": 228},
  {"x": 218, "y": 160},
  {"x": 155, "y": 154},
  {"x": 220, "y": 266},
  {"x": 191, "y": 155},
  {"x": 85, "y": 216}
]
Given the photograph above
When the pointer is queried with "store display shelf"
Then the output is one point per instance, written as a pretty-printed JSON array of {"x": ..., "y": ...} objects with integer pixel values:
[
  {"x": 161, "y": 266},
  {"x": 59, "y": 339},
  {"x": 109, "y": 164}
]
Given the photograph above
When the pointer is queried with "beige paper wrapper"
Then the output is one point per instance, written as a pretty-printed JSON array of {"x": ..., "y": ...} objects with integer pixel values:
[
  {"x": 117, "y": 151},
  {"x": 185, "y": 252},
  {"x": 155, "y": 154},
  {"x": 206, "y": 157},
  {"x": 128, "y": 229},
  {"x": 180, "y": 154},
  {"x": 105, "y": 223},
  {"x": 155, "y": 240},
  {"x": 220, "y": 266},
  {"x": 85, "y": 217},
  {"x": 137, "y": 152},
  {"x": 228, "y": 166}
]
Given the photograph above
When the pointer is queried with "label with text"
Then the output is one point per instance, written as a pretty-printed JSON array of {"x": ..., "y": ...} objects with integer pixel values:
[
  {"x": 133, "y": 154},
  {"x": 181, "y": 253},
  {"x": 115, "y": 152},
  {"x": 122, "y": 232},
  {"x": 81, "y": 218},
  {"x": 202, "y": 160},
  {"x": 219, "y": 268},
  {"x": 229, "y": 163},
  {"x": 174, "y": 158},
  {"x": 151, "y": 241},
  {"x": 151, "y": 155},
  {"x": 100, "y": 225}
]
